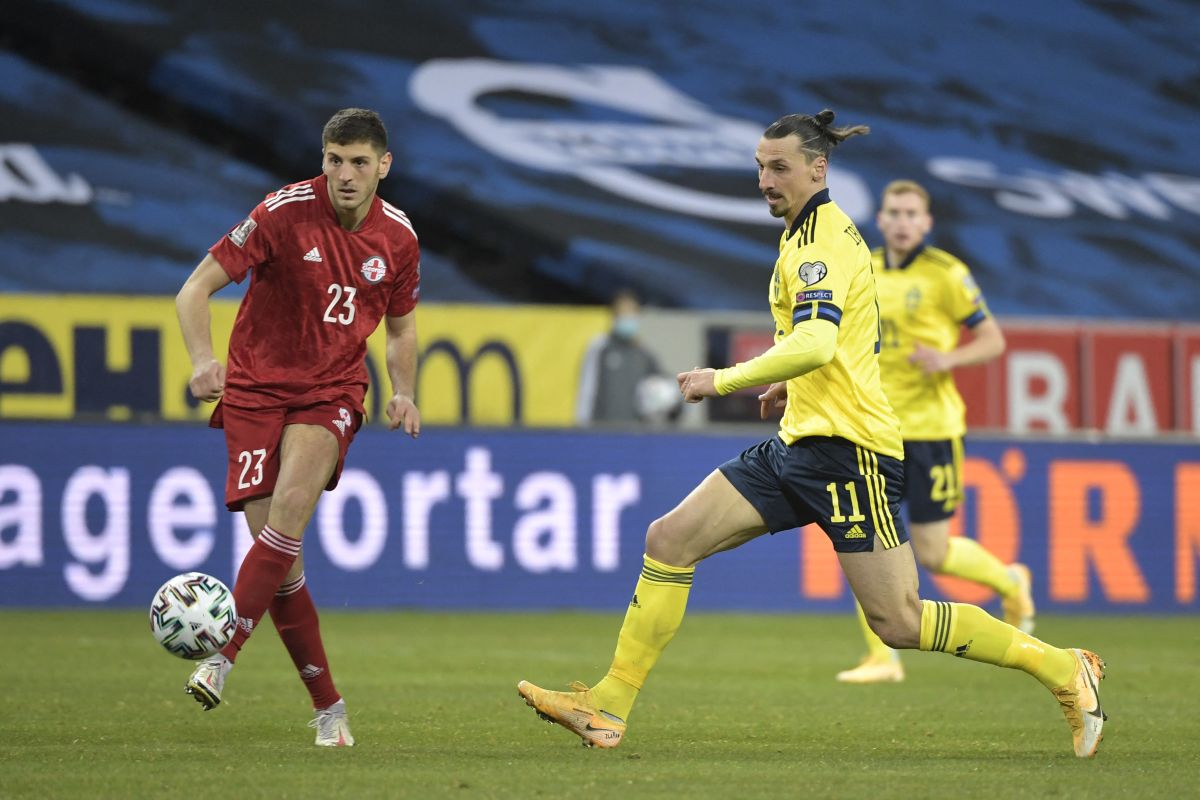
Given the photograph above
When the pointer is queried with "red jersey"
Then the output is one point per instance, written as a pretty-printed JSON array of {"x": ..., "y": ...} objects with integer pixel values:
[{"x": 317, "y": 291}]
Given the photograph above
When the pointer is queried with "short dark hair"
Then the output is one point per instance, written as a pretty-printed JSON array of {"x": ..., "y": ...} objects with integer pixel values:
[
  {"x": 814, "y": 131},
  {"x": 352, "y": 125}
]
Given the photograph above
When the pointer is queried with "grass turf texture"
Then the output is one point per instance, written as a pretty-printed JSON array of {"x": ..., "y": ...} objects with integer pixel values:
[{"x": 740, "y": 706}]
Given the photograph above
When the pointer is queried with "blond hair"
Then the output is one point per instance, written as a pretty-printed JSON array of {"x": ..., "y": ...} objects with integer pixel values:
[{"x": 905, "y": 186}]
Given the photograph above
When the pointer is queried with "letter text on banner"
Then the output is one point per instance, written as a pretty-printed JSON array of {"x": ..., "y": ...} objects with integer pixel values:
[
  {"x": 1129, "y": 381},
  {"x": 1079, "y": 539},
  {"x": 820, "y": 573},
  {"x": 1187, "y": 530}
]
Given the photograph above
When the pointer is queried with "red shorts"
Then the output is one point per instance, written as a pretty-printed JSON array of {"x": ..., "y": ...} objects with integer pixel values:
[{"x": 252, "y": 437}]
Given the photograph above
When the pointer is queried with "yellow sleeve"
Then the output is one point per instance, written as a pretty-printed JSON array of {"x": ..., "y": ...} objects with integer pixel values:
[
  {"x": 803, "y": 350},
  {"x": 965, "y": 301}
]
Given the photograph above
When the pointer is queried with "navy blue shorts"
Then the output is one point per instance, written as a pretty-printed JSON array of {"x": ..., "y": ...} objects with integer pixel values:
[
  {"x": 851, "y": 492},
  {"x": 933, "y": 479}
]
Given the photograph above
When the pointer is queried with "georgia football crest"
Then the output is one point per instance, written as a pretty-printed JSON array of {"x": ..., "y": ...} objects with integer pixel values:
[{"x": 373, "y": 269}]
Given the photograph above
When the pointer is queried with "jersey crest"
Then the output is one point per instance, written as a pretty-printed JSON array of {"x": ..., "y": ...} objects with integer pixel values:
[{"x": 373, "y": 269}]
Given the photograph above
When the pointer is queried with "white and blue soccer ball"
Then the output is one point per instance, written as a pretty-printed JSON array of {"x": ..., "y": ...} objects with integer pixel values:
[{"x": 193, "y": 615}]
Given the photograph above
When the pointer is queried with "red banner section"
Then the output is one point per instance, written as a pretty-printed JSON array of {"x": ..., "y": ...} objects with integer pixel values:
[
  {"x": 1185, "y": 368},
  {"x": 1122, "y": 380},
  {"x": 1126, "y": 379}
]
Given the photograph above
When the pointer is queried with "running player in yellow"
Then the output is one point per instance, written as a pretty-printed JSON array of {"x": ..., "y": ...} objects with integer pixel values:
[
  {"x": 836, "y": 462},
  {"x": 926, "y": 296}
]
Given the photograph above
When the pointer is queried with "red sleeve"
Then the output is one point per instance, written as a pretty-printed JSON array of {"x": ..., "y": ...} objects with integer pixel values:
[
  {"x": 407, "y": 290},
  {"x": 244, "y": 247}
]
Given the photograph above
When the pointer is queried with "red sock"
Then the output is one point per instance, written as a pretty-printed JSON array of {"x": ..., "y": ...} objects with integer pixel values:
[
  {"x": 266, "y": 565},
  {"x": 295, "y": 618}
]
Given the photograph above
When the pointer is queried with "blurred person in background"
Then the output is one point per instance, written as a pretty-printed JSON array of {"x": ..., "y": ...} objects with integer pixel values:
[
  {"x": 836, "y": 461},
  {"x": 328, "y": 259},
  {"x": 620, "y": 381},
  {"x": 926, "y": 298}
]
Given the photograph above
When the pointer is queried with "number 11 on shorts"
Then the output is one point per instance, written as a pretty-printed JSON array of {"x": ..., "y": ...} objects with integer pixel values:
[{"x": 837, "y": 516}]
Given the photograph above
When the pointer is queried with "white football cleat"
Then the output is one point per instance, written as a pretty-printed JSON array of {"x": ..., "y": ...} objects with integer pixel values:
[
  {"x": 1080, "y": 702},
  {"x": 333, "y": 729},
  {"x": 208, "y": 680},
  {"x": 873, "y": 669}
]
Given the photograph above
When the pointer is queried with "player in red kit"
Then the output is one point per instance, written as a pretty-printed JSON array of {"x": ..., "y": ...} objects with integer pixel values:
[{"x": 327, "y": 259}]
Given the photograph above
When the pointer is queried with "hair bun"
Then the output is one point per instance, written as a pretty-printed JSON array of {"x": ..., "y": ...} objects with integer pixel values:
[{"x": 822, "y": 118}]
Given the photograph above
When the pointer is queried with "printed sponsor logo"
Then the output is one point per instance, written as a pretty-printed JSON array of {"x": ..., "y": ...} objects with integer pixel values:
[
  {"x": 25, "y": 176},
  {"x": 635, "y": 159}
]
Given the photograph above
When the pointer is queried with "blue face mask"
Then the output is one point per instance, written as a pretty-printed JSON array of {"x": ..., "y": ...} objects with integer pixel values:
[{"x": 626, "y": 327}]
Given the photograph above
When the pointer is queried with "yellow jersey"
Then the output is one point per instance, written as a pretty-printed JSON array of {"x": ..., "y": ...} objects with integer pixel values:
[
  {"x": 927, "y": 298},
  {"x": 824, "y": 273}
]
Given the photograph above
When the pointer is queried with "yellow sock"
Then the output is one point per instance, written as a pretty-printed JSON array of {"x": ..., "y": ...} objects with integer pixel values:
[
  {"x": 650, "y": 623},
  {"x": 876, "y": 649},
  {"x": 970, "y": 632},
  {"x": 966, "y": 558}
]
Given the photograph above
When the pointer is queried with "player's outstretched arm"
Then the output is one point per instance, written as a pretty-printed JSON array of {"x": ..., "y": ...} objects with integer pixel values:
[
  {"x": 195, "y": 323},
  {"x": 402, "y": 410}
]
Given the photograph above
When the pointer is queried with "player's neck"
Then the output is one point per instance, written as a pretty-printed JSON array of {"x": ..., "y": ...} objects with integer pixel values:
[
  {"x": 802, "y": 203},
  {"x": 897, "y": 257}
]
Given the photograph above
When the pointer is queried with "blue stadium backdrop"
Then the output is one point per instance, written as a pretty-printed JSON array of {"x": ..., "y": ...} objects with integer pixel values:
[
  {"x": 474, "y": 519},
  {"x": 610, "y": 142}
]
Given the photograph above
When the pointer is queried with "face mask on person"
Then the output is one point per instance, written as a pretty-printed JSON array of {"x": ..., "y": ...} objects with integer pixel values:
[{"x": 626, "y": 327}]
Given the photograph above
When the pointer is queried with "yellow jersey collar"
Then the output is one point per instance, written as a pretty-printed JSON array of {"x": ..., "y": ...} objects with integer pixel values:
[
  {"x": 909, "y": 259},
  {"x": 818, "y": 199}
]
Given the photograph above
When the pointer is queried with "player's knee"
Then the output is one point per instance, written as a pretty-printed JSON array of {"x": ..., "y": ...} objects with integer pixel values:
[
  {"x": 290, "y": 509},
  {"x": 900, "y": 626},
  {"x": 661, "y": 543},
  {"x": 930, "y": 559}
]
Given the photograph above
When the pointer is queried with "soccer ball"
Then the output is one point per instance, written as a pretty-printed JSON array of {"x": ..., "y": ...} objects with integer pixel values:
[
  {"x": 193, "y": 615},
  {"x": 656, "y": 398}
]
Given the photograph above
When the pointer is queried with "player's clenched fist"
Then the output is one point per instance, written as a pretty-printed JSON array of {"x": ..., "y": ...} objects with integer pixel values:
[
  {"x": 208, "y": 381},
  {"x": 697, "y": 384}
]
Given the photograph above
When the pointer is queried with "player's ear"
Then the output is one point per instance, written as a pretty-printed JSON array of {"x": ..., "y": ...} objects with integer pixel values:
[
  {"x": 820, "y": 166},
  {"x": 385, "y": 165}
]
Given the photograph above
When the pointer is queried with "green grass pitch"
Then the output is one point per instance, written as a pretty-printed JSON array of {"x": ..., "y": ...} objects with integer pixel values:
[{"x": 740, "y": 706}]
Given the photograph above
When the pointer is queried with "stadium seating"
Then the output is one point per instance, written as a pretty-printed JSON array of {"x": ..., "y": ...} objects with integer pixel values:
[{"x": 551, "y": 156}]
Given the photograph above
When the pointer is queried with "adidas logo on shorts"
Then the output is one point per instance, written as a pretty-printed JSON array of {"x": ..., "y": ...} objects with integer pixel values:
[
  {"x": 313, "y": 255},
  {"x": 855, "y": 533}
]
